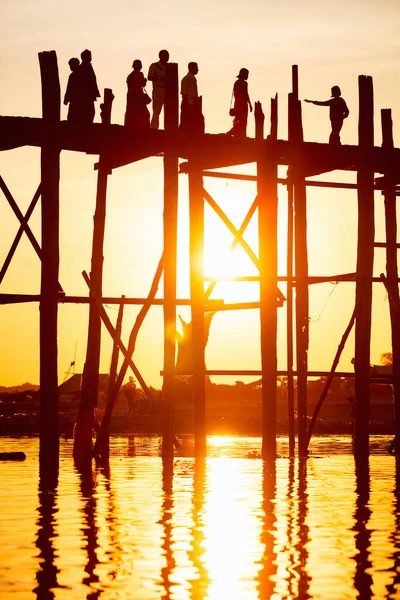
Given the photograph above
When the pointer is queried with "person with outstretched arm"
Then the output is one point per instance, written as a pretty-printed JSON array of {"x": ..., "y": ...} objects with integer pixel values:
[{"x": 338, "y": 111}]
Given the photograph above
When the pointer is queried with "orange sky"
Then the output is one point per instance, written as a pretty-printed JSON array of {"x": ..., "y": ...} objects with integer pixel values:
[{"x": 332, "y": 44}]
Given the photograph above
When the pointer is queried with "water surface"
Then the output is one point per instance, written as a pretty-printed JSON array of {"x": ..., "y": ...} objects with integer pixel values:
[{"x": 225, "y": 528}]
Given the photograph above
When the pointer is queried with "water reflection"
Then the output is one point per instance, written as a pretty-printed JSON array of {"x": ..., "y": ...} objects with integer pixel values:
[
  {"x": 46, "y": 575},
  {"x": 303, "y": 532},
  {"x": 200, "y": 580},
  {"x": 90, "y": 530},
  {"x": 166, "y": 521},
  {"x": 362, "y": 514},
  {"x": 192, "y": 529},
  {"x": 393, "y": 588},
  {"x": 267, "y": 573}
]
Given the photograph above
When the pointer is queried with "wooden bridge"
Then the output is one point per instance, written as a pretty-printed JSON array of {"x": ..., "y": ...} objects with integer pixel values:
[{"x": 377, "y": 168}]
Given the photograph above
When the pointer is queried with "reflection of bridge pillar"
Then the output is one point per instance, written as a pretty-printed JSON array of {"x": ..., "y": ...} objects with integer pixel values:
[
  {"x": 170, "y": 252},
  {"x": 196, "y": 228},
  {"x": 268, "y": 263},
  {"x": 50, "y": 179}
]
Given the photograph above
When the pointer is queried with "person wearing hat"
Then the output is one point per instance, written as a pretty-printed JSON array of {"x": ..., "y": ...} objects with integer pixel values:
[
  {"x": 338, "y": 111},
  {"x": 241, "y": 105}
]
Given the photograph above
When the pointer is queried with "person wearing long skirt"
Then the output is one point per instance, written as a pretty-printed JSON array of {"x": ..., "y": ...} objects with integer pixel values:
[
  {"x": 137, "y": 114},
  {"x": 242, "y": 104}
]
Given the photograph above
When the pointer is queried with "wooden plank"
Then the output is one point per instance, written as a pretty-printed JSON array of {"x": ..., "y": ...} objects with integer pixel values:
[
  {"x": 267, "y": 191},
  {"x": 90, "y": 378},
  {"x": 391, "y": 244},
  {"x": 50, "y": 180},
  {"x": 170, "y": 229},
  {"x": 365, "y": 260},
  {"x": 196, "y": 244}
]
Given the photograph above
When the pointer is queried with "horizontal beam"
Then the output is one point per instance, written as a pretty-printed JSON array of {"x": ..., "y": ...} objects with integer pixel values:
[
  {"x": 383, "y": 245},
  {"x": 283, "y": 373},
  {"x": 123, "y": 145},
  {"x": 212, "y": 305},
  {"x": 285, "y": 180}
]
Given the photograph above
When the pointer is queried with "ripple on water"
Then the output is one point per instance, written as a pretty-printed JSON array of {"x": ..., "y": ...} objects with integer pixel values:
[{"x": 221, "y": 528}]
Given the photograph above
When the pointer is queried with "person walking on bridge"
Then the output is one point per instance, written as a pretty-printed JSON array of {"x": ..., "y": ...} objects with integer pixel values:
[
  {"x": 88, "y": 90},
  {"x": 157, "y": 76},
  {"x": 241, "y": 105}
]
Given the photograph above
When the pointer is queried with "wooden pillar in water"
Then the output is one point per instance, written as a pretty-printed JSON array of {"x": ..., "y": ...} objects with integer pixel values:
[
  {"x": 267, "y": 188},
  {"x": 389, "y": 193},
  {"x": 296, "y": 175},
  {"x": 365, "y": 261},
  {"x": 171, "y": 121},
  {"x": 196, "y": 245},
  {"x": 289, "y": 319},
  {"x": 50, "y": 180},
  {"x": 90, "y": 379}
]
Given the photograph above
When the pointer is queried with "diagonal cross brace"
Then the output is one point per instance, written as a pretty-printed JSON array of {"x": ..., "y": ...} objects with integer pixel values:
[
  {"x": 237, "y": 239},
  {"x": 111, "y": 330},
  {"x": 237, "y": 233},
  {"x": 23, "y": 226},
  {"x": 20, "y": 231}
]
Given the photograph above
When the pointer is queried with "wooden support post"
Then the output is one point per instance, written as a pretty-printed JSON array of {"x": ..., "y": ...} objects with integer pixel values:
[
  {"x": 389, "y": 193},
  {"x": 289, "y": 320},
  {"x": 296, "y": 174},
  {"x": 171, "y": 109},
  {"x": 50, "y": 180},
  {"x": 267, "y": 189},
  {"x": 365, "y": 260},
  {"x": 90, "y": 379},
  {"x": 196, "y": 228}
]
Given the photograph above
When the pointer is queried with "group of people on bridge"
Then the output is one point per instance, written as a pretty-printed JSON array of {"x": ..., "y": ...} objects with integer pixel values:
[{"x": 82, "y": 93}]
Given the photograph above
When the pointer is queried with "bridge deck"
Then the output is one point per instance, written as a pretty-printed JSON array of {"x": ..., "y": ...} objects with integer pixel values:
[{"x": 121, "y": 145}]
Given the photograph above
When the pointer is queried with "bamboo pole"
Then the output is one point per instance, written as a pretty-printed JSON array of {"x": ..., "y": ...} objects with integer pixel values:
[
  {"x": 90, "y": 379},
  {"x": 365, "y": 260},
  {"x": 50, "y": 180},
  {"x": 267, "y": 190},
  {"x": 296, "y": 172},
  {"x": 196, "y": 243},
  {"x": 389, "y": 193},
  {"x": 171, "y": 120}
]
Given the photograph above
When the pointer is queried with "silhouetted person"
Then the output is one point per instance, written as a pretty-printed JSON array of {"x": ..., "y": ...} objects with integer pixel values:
[
  {"x": 338, "y": 111},
  {"x": 130, "y": 394},
  {"x": 192, "y": 120},
  {"x": 157, "y": 77},
  {"x": 88, "y": 90},
  {"x": 137, "y": 114},
  {"x": 241, "y": 104},
  {"x": 72, "y": 92}
]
